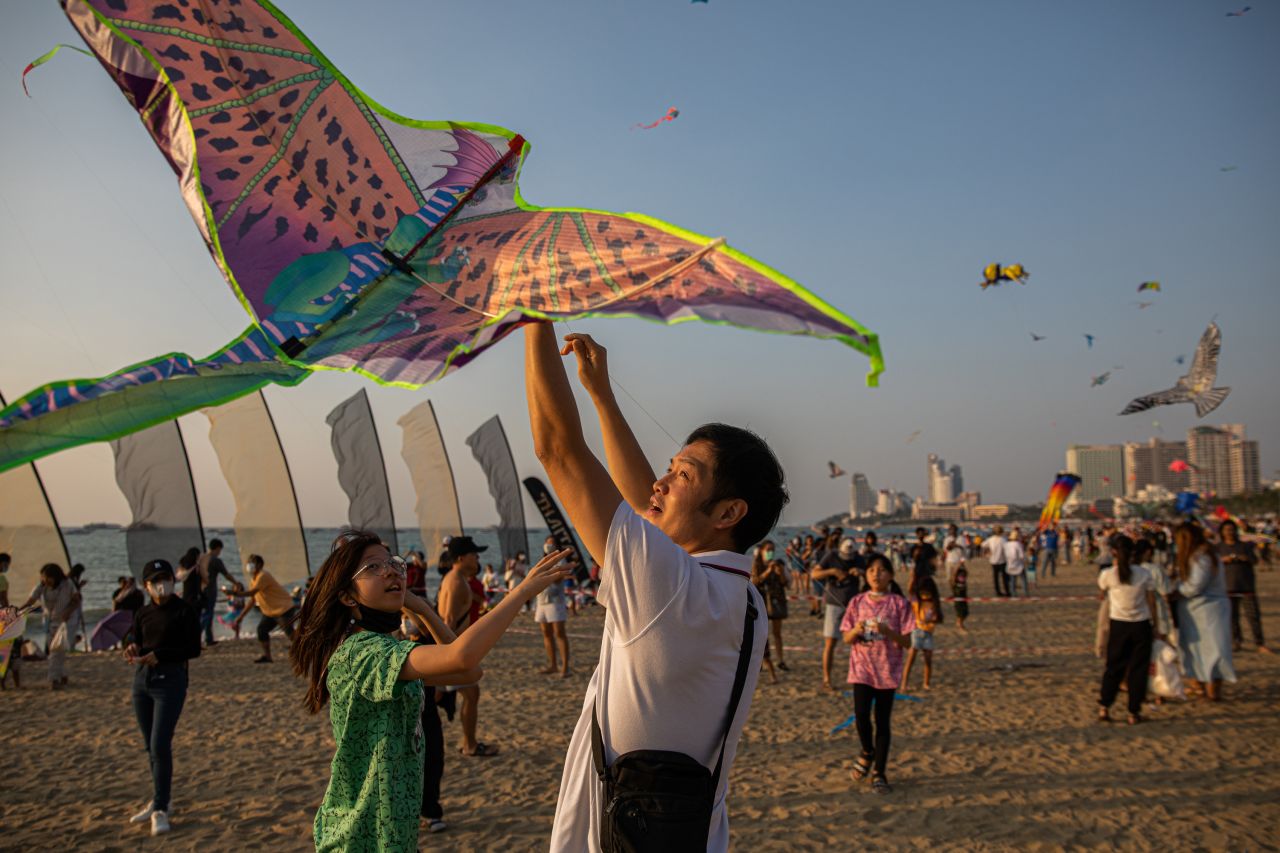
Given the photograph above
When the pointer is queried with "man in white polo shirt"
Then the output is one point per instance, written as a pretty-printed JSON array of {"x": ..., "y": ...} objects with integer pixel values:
[{"x": 674, "y": 582}]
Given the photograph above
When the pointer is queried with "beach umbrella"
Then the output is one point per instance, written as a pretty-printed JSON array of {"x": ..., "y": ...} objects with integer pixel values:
[{"x": 111, "y": 629}]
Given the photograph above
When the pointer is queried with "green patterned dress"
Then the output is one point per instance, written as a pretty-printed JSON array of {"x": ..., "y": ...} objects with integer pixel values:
[{"x": 375, "y": 787}]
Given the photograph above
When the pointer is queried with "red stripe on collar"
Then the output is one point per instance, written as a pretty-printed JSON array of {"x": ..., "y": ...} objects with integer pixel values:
[{"x": 727, "y": 569}]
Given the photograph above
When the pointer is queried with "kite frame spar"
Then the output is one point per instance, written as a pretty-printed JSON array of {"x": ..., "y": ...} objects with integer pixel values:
[{"x": 866, "y": 341}]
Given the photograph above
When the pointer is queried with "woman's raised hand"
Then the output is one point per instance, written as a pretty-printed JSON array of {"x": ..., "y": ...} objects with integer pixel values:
[{"x": 550, "y": 569}]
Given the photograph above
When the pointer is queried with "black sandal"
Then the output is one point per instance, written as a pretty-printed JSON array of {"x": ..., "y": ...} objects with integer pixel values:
[
  {"x": 881, "y": 785},
  {"x": 861, "y": 767}
]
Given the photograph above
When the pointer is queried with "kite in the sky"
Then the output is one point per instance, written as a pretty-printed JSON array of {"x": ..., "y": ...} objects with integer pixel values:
[
  {"x": 994, "y": 274},
  {"x": 1186, "y": 503},
  {"x": 671, "y": 115},
  {"x": 1228, "y": 168},
  {"x": 835, "y": 470},
  {"x": 1149, "y": 285},
  {"x": 1239, "y": 13},
  {"x": 1181, "y": 466},
  {"x": 1106, "y": 480},
  {"x": 363, "y": 241},
  {"x": 1061, "y": 489},
  {"x": 914, "y": 435},
  {"x": 1181, "y": 359},
  {"x": 1142, "y": 305},
  {"x": 1036, "y": 337},
  {"x": 1100, "y": 379},
  {"x": 1197, "y": 385},
  {"x": 1088, "y": 339}
]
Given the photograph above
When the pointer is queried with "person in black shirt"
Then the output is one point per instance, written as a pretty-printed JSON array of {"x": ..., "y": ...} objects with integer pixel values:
[
  {"x": 127, "y": 596},
  {"x": 1238, "y": 560},
  {"x": 166, "y": 634},
  {"x": 923, "y": 558},
  {"x": 841, "y": 572}
]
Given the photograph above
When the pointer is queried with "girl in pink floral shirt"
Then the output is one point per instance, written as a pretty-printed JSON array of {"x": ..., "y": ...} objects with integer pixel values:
[{"x": 877, "y": 624}]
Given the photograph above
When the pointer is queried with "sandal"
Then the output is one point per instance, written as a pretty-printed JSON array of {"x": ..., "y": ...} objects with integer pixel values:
[
  {"x": 861, "y": 767},
  {"x": 881, "y": 785},
  {"x": 483, "y": 750},
  {"x": 1104, "y": 716}
]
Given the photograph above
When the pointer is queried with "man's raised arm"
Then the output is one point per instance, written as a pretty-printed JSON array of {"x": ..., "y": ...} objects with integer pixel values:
[
  {"x": 628, "y": 466},
  {"x": 589, "y": 495}
]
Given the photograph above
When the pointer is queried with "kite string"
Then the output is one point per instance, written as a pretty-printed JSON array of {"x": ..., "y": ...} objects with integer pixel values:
[{"x": 613, "y": 379}]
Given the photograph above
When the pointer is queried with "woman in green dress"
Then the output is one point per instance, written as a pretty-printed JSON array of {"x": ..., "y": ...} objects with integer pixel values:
[{"x": 373, "y": 684}]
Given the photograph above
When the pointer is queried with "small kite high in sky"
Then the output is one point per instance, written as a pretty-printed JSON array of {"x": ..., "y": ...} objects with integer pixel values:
[
  {"x": 1142, "y": 305},
  {"x": 1100, "y": 379},
  {"x": 835, "y": 470},
  {"x": 1036, "y": 337},
  {"x": 362, "y": 241},
  {"x": 1197, "y": 385},
  {"x": 994, "y": 274},
  {"x": 1088, "y": 339},
  {"x": 1228, "y": 168},
  {"x": 671, "y": 115},
  {"x": 1149, "y": 285},
  {"x": 1181, "y": 466},
  {"x": 1239, "y": 13}
]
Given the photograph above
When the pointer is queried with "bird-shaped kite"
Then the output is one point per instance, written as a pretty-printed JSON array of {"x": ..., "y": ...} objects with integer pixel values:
[
  {"x": 1036, "y": 337},
  {"x": 1197, "y": 385},
  {"x": 1149, "y": 285},
  {"x": 1100, "y": 380},
  {"x": 1088, "y": 339},
  {"x": 835, "y": 470},
  {"x": 364, "y": 241},
  {"x": 671, "y": 115},
  {"x": 994, "y": 274},
  {"x": 1239, "y": 13}
]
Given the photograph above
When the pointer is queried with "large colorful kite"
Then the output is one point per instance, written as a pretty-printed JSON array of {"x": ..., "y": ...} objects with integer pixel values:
[
  {"x": 1061, "y": 489},
  {"x": 362, "y": 240}
]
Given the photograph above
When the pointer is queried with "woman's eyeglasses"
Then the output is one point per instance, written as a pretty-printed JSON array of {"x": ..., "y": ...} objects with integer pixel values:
[{"x": 392, "y": 567}]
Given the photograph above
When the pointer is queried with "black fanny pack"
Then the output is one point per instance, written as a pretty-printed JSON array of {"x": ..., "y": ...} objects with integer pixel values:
[{"x": 657, "y": 800}]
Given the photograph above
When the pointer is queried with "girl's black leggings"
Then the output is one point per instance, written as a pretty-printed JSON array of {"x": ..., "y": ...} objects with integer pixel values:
[
  {"x": 1128, "y": 659},
  {"x": 874, "y": 741}
]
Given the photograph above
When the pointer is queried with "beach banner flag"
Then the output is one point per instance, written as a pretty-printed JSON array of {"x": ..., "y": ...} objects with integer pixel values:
[
  {"x": 489, "y": 446},
  {"x": 267, "y": 520},
  {"x": 423, "y": 451},
  {"x": 154, "y": 475},
  {"x": 556, "y": 523},
  {"x": 361, "y": 470},
  {"x": 29, "y": 531}
]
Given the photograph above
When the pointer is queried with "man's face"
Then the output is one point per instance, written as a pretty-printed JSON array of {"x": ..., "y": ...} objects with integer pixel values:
[
  {"x": 1229, "y": 533},
  {"x": 468, "y": 564},
  {"x": 675, "y": 507}
]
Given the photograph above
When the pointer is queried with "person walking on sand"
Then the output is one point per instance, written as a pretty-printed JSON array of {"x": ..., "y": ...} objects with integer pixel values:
[
  {"x": 841, "y": 574},
  {"x": 460, "y": 609},
  {"x": 272, "y": 601},
  {"x": 683, "y": 642},
  {"x": 166, "y": 634},
  {"x": 926, "y": 609},
  {"x": 551, "y": 613},
  {"x": 769, "y": 576},
  {"x": 59, "y": 598},
  {"x": 958, "y": 577},
  {"x": 1238, "y": 561},
  {"x": 876, "y": 626},
  {"x": 1015, "y": 564},
  {"x": 1049, "y": 552},
  {"x": 1130, "y": 593},
  {"x": 1203, "y": 613},
  {"x": 993, "y": 549},
  {"x": 210, "y": 565},
  {"x": 374, "y": 685}
]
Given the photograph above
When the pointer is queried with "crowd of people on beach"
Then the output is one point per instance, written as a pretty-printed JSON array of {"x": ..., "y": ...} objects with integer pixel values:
[{"x": 695, "y": 598}]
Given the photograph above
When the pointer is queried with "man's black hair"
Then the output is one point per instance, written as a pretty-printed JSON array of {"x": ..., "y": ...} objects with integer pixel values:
[
  {"x": 5, "y": 558},
  {"x": 215, "y": 544},
  {"x": 745, "y": 468}
]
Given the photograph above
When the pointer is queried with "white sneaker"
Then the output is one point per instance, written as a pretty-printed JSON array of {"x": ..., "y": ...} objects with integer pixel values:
[
  {"x": 437, "y": 825},
  {"x": 144, "y": 815},
  {"x": 159, "y": 823}
]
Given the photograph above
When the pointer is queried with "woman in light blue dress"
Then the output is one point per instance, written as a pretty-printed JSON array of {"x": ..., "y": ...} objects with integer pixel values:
[{"x": 1204, "y": 612}]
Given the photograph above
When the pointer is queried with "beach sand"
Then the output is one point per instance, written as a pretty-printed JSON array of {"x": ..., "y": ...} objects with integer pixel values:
[{"x": 991, "y": 759}]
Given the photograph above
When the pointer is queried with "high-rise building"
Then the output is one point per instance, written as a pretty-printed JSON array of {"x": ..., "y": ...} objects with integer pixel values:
[
  {"x": 1223, "y": 461},
  {"x": 1100, "y": 468},
  {"x": 1147, "y": 464},
  {"x": 862, "y": 500},
  {"x": 942, "y": 486},
  {"x": 957, "y": 480},
  {"x": 886, "y": 502}
]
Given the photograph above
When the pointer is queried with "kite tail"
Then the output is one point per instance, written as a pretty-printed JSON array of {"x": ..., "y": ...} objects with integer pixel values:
[{"x": 42, "y": 59}]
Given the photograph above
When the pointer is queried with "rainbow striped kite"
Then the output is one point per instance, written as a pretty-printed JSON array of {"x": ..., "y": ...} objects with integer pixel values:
[{"x": 1062, "y": 488}]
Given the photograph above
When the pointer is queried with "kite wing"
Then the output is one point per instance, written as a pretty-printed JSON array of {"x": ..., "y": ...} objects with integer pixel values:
[
  {"x": 1204, "y": 367},
  {"x": 1160, "y": 398},
  {"x": 362, "y": 240},
  {"x": 835, "y": 470}
]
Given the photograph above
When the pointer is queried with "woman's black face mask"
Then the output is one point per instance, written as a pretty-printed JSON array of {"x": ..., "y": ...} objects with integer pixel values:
[{"x": 378, "y": 621}]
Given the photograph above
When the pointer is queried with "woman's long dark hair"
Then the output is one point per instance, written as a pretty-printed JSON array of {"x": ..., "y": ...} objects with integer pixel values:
[
  {"x": 54, "y": 572},
  {"x": 1122, "y": 548},
  {"x": 325, "y": 621}
]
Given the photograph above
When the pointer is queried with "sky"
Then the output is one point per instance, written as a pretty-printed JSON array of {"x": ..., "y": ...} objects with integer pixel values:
[{"x": 879, "y": 153}]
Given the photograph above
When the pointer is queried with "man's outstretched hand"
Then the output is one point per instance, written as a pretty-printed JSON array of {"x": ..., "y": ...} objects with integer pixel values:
[{"x": 593, "y": 364}]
